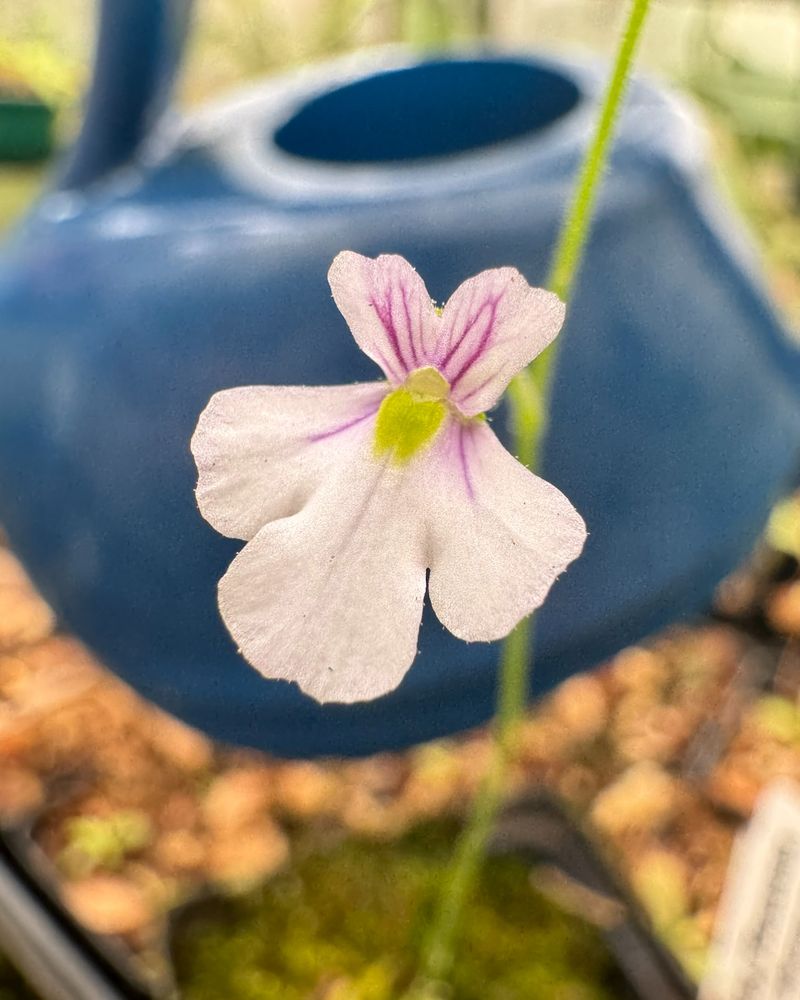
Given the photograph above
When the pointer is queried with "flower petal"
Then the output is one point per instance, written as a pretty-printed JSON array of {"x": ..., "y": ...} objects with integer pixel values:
[
  {"x": 387, "y": 308},
  {"x": 332, "y": 597},
  {"x": 262, "y": 450},
  {"x": 493, "y": 325},
  {"x": 499, "y": 535}
]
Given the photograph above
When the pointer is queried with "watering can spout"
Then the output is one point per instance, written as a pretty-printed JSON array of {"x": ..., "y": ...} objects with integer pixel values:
[{"x": 138, "y": 52}]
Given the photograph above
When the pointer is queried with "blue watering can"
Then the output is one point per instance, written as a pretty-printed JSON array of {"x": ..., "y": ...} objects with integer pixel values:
[{"x": 174, "y": 258}]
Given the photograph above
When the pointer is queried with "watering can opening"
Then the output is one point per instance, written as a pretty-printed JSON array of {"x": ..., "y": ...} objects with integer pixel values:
[{"x": 430, "y": 110}]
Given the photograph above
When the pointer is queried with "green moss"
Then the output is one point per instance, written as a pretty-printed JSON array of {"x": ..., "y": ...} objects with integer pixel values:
[
  {"x": 783, "y": 529},
  {"x": 103, "y": 841},
  {"x": 779, "y": 717},
  {"x": 12, "y": 986},
  {"x": 346, "y": 922}
]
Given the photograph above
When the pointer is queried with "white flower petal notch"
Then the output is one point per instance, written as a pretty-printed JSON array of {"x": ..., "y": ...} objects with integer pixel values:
[{"x": 349, "y": 496}]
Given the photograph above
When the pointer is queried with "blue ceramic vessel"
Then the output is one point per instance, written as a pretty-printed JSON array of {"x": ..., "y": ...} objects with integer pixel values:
[{"x": 174, "y": 258}]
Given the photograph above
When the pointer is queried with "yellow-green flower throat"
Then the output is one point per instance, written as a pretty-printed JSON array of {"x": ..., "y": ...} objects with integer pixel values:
[{"x": 409, "y": 417}]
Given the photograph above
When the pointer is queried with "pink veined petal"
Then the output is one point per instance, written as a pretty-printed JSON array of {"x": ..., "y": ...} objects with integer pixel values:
[
  {"x": 332, "y": 597},
  {"x": 493, "y": 326},
  {"x": 261, "y": 451},
  {"x": 388, "y": 310},
  {"x": 499, "y": 536}
]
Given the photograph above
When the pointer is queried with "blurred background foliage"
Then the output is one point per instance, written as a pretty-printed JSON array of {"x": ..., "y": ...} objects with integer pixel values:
[
  {"x": 748, "y": 44},
  {"x": 739, "y": 58},
  {"x": 752, "y": 46}
]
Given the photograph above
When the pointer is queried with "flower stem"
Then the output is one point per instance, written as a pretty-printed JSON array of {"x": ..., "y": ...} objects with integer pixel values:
[
  {"x": 574, "y": 232},
  {"x": 528, "y": 403},
  {"x": 471, "y": 846}
]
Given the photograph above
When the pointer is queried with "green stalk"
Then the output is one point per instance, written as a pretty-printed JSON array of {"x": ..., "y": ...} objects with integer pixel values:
[
  {"x": 528, "y": 401},
  {"x": 471, "y": 847},
  {"x": 575, "y": 231}
]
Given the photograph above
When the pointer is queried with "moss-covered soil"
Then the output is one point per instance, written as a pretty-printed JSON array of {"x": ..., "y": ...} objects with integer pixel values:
[{"x": 346, "y": 920}]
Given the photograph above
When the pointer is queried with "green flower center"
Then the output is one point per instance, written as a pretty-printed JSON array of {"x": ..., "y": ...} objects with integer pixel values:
[{"x": 409, "y": 417}]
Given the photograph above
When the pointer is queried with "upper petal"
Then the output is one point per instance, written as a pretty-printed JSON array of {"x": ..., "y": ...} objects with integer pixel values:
[
  {"x": 499, "y": 535},
  {"x": 262, "y": 450},
  {"x": 387, "y": 308},
  {"x": 332, "y": 597},
  {"x": 493, "y": 326}
]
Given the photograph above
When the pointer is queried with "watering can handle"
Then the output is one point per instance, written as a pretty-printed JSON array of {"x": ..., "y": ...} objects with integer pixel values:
[{"x": 138, "y": 52}]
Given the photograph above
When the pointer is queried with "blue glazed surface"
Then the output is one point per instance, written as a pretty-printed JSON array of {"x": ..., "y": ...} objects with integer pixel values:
[{"x": 125, "y": 304}]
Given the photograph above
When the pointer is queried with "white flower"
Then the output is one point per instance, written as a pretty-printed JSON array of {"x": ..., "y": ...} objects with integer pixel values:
[{"x": 348, "y": 495}]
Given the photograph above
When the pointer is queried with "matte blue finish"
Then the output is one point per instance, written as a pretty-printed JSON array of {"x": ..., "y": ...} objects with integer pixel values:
[
  {"x": 138, "y": 50},
  {"x": 125, "y": 305}
]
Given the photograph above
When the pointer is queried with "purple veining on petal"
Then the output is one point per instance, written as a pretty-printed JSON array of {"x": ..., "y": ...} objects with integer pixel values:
[
  {"x": 333, "y": 431},
  {"x": 455, "y": 453},
  {"x": 477, "y": 389},
  {"x": 464, "y": 333},
  {"x": 462, "y": 455},
  {"x": 483, "y": 343},
  {"x": 386, "y": 366},
  {"x": 409, "y": 327},
  {"x": 384, "y": 313}
]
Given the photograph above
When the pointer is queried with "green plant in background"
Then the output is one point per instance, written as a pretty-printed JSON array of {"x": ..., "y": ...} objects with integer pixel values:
[
  {"x": 19, "y": 185},
  {"x": 761, "y": 101},
  {"x": 783, "y": 530},
  {"x": 12, "y": 986},
  {"x": 438, "y": 24},
  {"x": 37, "y": 80},
  {"x": 345, "y": 923},
  {"x": 103, "y": 841},
  {"x": 34, "y": 65},
  {"x": 338, "y": 23},
  {"x": 779, "y": 717},
  {"x": 660, "y": 886},
  {"x": 244, "y": 39}
]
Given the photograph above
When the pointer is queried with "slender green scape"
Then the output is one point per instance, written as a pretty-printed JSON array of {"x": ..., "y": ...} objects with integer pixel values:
[{"x": 528, "y": 397}]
